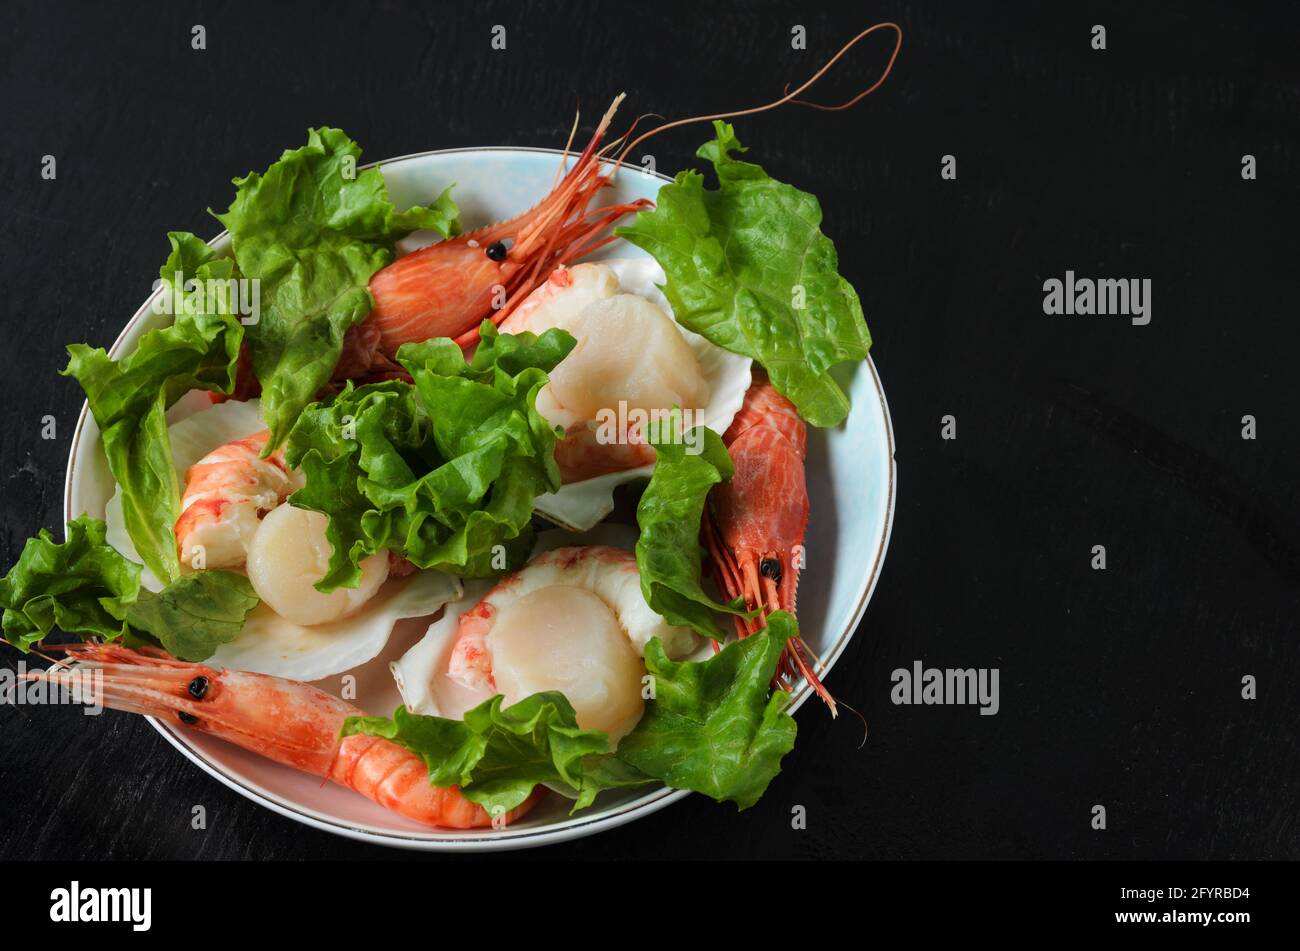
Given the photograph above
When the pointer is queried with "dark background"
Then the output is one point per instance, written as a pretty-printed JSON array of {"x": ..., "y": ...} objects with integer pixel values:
[{"x": 1119, "y": 687}]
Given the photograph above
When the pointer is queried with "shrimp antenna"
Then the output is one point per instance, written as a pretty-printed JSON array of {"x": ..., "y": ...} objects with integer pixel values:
[
  {"x": 39, "y": 651},
  {"x": 573, "y": 131},
  {"x": 791, "y": 97},
  {"x": 866, "y": 730}
]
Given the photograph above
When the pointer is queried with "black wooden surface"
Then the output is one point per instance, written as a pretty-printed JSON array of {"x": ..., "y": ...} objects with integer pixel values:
[{"x": 1119, "y": 687}]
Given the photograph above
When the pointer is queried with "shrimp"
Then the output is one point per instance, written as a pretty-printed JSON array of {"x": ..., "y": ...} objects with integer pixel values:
[
  {"x": 572, "y": 620},
  {"x": 449, "y": 288},
  {"x": 292, "y": 723},
  {"x": 629, "y": 353},
  {"x": 226, "y": 494},
  {"x": 756, "y": 522}
]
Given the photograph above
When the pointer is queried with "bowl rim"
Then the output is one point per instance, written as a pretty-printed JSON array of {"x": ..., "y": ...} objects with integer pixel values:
[{"x": 495, "y": 839}]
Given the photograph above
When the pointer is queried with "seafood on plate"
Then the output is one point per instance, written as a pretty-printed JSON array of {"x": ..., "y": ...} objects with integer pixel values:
[
  {"x": 628, "y": 353},
  {"x": 235, "y": 514},
  {"x": 424, "y": 410},
  {"x": 631, "y": 364},
  {"x": 572, "y": 620}
]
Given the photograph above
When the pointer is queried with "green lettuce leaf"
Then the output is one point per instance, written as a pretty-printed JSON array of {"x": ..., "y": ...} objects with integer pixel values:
[
  {"x": 129, "y": 398},
  {"x": 313, "y": 229},
  {"x": 749, "y": 268},
  {"x": 606, "y": 771},
  {"x": 379, "y": 428},
  {"x": 82, "y": 586},
  {"x": 441, "y": 471},
  {"x": 497, "y": 754},
  {"x": 85, "y": 586},
  {"x": 196, "y": 613},
  {"x": 712, "y": 727},
  {"x": 669, "y": 514}
]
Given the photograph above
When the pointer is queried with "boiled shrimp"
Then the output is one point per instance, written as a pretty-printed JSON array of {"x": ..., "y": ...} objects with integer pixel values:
[
  {"x": 756, "y": 521},
  {"x": 233, "y": 515},
  {"x": 291, "y": 723},
  {"x": 449, "y": 288},
  {"x": 226, "y": 494}
]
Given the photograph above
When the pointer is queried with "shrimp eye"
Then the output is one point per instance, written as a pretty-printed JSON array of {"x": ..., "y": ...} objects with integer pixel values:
[
  {"x": 198, "y": 688},
  {"x": 496, "y": 251},
  {"x": 187, "y": 717},
  {"x": 770, "y": 568}
]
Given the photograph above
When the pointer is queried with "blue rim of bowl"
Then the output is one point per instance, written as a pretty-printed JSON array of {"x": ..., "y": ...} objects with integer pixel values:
[{"x": 494, "y": 839}]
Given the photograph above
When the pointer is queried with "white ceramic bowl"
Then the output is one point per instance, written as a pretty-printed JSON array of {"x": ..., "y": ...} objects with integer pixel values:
[{"x": 851, "y": 479}]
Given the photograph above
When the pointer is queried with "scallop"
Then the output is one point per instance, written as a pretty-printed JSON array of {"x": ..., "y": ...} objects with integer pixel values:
[
  {"x": 638, "y": 353},
  {"x": 289, "y": 553},
  {"x": 561, "y": 301},
  {"x": 567, "y": 639},
  {"x": 628, "y": 351},
  {"x": 573, "y": 620}
]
